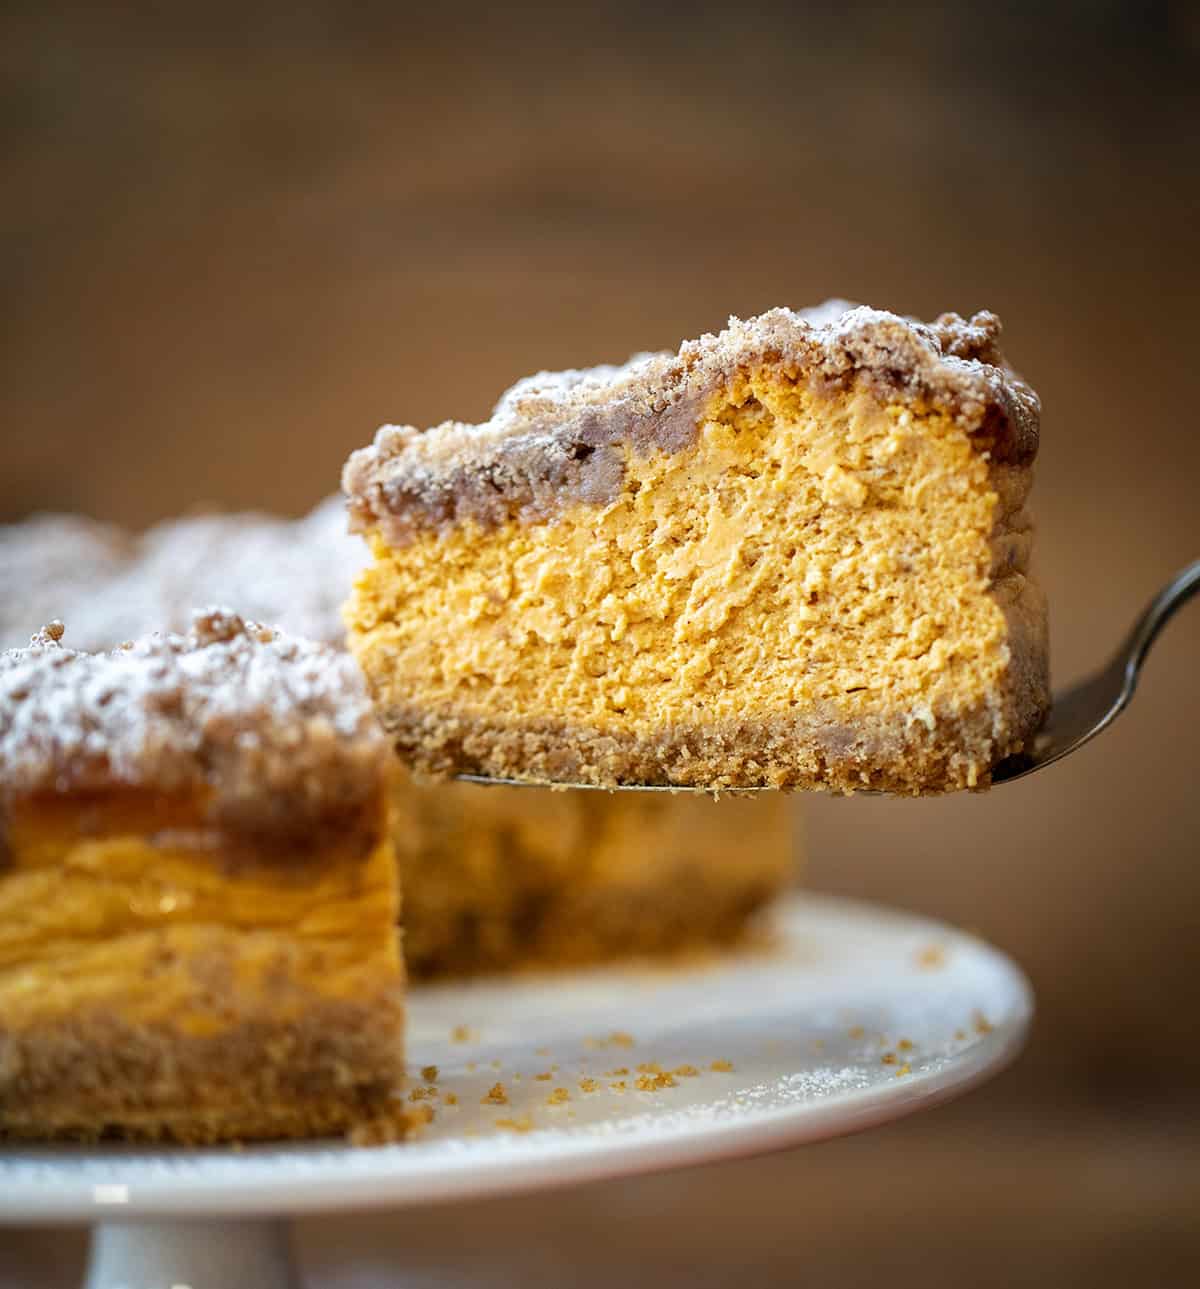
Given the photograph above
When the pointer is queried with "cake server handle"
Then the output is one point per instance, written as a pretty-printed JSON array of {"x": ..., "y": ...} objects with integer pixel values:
[
  {"x": 1177, "y": 592},
  {"x": 198, "y": 1254}
]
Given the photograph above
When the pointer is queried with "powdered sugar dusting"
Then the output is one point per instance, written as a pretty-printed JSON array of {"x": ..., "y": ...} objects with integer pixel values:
[
  {"x": 277, "y": 729},
  {"x": 112, "y": 586},
  {"x": 545, "y": 390}
]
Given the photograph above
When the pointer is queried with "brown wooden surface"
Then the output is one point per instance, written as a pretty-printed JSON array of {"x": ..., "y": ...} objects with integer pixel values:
[{"x": 236, "y": 244}]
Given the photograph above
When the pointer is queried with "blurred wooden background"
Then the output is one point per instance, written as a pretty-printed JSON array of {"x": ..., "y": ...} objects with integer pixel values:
[{"x": 234, "y": 242}]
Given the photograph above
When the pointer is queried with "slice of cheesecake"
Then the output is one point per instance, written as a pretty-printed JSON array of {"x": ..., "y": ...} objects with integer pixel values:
[
  {"x": 793, "y": 554},
  {"x": 198, "y": 893}
]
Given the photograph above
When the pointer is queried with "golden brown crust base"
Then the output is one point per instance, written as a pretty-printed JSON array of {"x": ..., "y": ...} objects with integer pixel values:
[
  {"x": 881, "y": 752},
  {"x": 95, "y": 1077}
]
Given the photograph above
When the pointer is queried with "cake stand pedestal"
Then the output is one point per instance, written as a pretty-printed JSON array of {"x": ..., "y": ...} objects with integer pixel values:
[
  {"x": 847, "y": 1017},
  {"x": 196, "y": 1254}
]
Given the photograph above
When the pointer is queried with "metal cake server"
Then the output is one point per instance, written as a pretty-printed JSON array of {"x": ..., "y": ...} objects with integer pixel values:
[
  {"x": 1078, "y": 714},
  {"x": 1089, "y": 707}
]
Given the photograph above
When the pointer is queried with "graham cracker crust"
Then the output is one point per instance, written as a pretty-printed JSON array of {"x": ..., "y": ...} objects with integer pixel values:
[
  {"x": 881, "y": 752},
  {"x": 95, "y": 1077}
]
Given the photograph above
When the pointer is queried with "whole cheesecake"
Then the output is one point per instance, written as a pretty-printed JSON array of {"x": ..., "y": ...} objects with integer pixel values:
[{"x": 793, "y": 554}]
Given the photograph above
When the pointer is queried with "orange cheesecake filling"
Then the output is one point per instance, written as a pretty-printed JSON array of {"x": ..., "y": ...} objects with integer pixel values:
[{"x": 125, "y": 904}]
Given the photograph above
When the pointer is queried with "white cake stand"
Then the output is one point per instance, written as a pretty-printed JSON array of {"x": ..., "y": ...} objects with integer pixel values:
[{"x": 851, "y": 1017}]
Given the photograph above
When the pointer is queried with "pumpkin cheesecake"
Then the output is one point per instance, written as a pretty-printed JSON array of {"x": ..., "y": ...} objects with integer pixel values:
[
  {"x": 198, "y": 894},
  {"x": 794, "y": 554}
]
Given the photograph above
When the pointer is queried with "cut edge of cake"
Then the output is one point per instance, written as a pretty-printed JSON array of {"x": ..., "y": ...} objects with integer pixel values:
[
  {"x": 198, "y": 892},
  {"x": 561, "y": 443}
]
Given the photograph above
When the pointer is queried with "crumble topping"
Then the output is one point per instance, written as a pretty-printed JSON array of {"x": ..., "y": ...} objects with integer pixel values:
[
  {"x": 278, "y": 732},
  {"x": 552, "y": 438},
  {"x": 497, "y": 1095}
]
